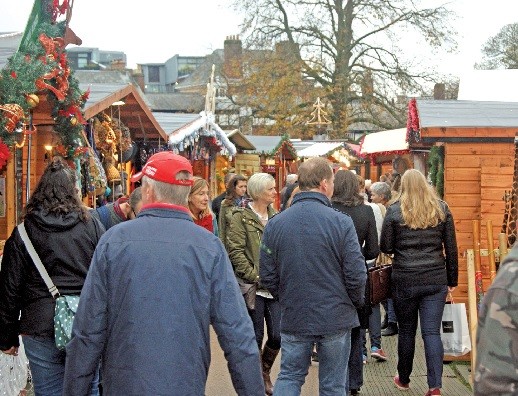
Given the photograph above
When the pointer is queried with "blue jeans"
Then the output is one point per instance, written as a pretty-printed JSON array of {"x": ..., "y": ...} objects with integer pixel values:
[
  {"x": 47, "y": 364},
  {"x": 425, "y": 302},
  {"x": 269, "y": 310},
  {"x": 333, "y": 355},
  {"x": 388, "y": 305},
  {"x": 374, "y": 329}
]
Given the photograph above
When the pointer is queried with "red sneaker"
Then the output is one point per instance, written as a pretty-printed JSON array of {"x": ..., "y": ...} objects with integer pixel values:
[
  {"x": 433, "y": 392},
  {"x": 400, "y": 385},
  {"x": 378, "y": 354}
]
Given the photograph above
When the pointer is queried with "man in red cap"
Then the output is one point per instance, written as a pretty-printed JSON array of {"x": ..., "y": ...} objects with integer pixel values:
[{"x": 154, "y": 287}]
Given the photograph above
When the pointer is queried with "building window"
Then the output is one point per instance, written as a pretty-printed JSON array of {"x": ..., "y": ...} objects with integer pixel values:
[
  {"x": 153, "y": 74},
  {"x": 82, "y": 61}
]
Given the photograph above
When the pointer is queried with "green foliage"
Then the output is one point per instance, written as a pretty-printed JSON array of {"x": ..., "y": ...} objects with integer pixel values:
[
  {"x": 18, "y": 79},
  {"x": 501, "y": 50},
  {"x": 436, "y": 163}
]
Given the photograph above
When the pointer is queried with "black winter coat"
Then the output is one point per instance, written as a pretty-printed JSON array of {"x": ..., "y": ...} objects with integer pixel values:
[
  {"x": 65, "y": 245},
  {"x": 426, "y": 256}
]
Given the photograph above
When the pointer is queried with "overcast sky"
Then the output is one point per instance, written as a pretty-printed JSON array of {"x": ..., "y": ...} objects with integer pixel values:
[{"x": 197, "y": 27}]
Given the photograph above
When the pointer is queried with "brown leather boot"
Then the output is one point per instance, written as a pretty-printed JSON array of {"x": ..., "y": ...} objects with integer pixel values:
[{"x": 267, "y": 358}]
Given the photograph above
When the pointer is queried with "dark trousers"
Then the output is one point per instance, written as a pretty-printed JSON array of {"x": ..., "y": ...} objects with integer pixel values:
[
  {"x": 426, "y": 303},
  {"x": 355, "y": 377},
  {"x": 269, "y": 310}
]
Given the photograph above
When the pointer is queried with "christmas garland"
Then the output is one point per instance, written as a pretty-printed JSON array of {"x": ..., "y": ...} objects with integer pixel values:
[
  {"x": 285, "y": 140},
  {"x": 43, "y": 68},
  {"x": 436, "y": 162},
  {"x": 412, "y": 126}
]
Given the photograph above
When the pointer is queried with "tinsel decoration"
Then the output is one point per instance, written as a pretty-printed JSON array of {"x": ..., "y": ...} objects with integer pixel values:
[
  {"x": 4, "y": 154},
  {"x": 436, "y": 162},
  {"x": 412, "y": 126}
]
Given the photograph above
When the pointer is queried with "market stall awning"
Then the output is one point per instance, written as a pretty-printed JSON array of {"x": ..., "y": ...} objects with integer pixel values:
[
  {"x": 385, "y": 142},
  {"x": 204, "y": 125},
  {"x": 319, "y": 149},
  {"x": 240, "y": 140}
]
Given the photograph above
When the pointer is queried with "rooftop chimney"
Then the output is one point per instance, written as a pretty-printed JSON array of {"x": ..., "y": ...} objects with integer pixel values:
[{"x": 233, "y": 51}]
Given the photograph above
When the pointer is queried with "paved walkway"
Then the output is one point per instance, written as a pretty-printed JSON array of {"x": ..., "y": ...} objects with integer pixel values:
[{"x": 377, "y": 376}]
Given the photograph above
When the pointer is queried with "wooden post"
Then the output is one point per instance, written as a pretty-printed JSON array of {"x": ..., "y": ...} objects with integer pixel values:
[
  {"x": 472, "y": 308},
  {"x": 491, "y": 249},
  {"x": 502, "y": 246},
  {"x": 478, "y": 271}
]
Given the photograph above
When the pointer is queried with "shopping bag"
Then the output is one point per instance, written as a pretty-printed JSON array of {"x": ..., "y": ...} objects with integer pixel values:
[
  {"x": 14, "y": 372},
  {"x": 454, "y": 330}
]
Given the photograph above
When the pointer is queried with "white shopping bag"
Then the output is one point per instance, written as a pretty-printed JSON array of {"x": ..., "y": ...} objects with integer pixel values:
[
  {"x": 14, "y": 372},
  {"x": 454, "y": 330}
]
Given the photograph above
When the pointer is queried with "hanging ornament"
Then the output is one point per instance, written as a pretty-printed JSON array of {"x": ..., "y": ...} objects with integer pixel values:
[
  {"x": 32, "y": 100},
  {"x": 73, "y": 121},
  {"x": 15, "y": 116}
]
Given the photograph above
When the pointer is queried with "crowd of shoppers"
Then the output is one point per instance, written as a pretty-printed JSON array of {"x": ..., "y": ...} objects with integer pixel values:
[{"x": 151, "y": 287}]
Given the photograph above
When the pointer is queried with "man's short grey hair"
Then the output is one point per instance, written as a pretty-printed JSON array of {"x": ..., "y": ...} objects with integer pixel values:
[
  {"x": 382, "y": 189},
  {"x": 170, "y": 193},
  {"x": 291, "y": 178},
  {"x": 258, "y": 183}
]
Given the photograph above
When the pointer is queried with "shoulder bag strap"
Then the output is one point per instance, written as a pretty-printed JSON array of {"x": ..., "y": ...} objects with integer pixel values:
[{"x": 39, "y": 265}]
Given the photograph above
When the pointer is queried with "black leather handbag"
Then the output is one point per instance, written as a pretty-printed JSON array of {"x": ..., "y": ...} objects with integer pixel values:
[{"x": 379, "y": 283}]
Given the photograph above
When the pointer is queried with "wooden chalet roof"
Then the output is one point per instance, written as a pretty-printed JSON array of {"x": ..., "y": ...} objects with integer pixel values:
[{"x": 135, "y": 113}]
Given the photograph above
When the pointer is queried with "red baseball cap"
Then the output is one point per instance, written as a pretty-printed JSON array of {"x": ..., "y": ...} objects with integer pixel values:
[{"x": 163, "y": 167}]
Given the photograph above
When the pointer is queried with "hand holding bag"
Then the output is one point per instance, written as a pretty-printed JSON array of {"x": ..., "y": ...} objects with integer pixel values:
[
  {"x": 66, "y": 306},
  {"x": 454, "y": 329},
  {"x": 248, "y": 290},
  {"x": 379, "y": 283}
]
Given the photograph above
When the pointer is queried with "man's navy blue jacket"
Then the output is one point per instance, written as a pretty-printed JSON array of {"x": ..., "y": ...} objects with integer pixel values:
[{"x": 311, "y": 260}]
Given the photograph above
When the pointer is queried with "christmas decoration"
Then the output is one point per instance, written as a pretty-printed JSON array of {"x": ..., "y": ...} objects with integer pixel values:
[
  {"x": 14, "y": 116},
  {"x": 41, "y": 67},
  {"x": 4, "y": 154},
  {"x": 436, "y": 162},
  {"x": 32, "y": 100},
  {"x": 412, "y": 134}
]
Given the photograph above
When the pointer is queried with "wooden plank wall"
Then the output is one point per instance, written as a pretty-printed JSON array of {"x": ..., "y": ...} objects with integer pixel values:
[{"x": 476, "y": 175}]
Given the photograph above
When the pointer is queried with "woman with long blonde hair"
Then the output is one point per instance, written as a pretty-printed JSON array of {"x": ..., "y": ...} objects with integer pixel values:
[
  {"x": 199, "y": 205},
  {"x": 419, "y": 231}
]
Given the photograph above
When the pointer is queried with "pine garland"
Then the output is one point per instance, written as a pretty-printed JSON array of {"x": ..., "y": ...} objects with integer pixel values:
[
  {"x": 436, "y": 162},
  {"x": 20, "y": 78}
]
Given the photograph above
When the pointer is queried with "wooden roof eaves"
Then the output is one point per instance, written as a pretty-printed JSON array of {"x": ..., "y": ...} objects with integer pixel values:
[
  {"x": 105, "y": 103},
  {"x": 129, "y": 89}
]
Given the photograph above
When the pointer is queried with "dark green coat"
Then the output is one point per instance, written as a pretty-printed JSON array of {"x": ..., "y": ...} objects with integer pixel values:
[{"x": 243, "y": 240}]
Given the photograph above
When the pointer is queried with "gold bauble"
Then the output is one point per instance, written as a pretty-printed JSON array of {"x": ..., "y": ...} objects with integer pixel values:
[
  {"x": 73, "y": 121},
  {"x": 32, "y": 100}
]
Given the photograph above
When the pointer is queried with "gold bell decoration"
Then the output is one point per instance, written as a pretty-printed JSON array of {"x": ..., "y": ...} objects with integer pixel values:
[
  {"x": 73, "y": 121},
  {"x": 32, "y": 100}
]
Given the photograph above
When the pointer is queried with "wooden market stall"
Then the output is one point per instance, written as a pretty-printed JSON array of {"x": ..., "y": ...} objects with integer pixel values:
[
  {"x": 202, "y": 141},
  {"x": 473, "y": 146},
  {"x": 274, "y": 155},
  {"x": 122, "y": 130},
  {"x": 386, "y": 152}
]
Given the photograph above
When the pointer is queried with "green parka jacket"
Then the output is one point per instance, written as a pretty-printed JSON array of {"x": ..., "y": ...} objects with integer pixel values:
[{"x": 244, "y": 238}]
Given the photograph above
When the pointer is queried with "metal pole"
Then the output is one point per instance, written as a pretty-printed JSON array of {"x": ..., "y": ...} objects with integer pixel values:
[{"x": 29, "y": 152}]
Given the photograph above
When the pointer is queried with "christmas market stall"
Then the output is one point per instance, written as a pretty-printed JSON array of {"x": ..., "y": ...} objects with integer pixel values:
[
  {"x": 273, "y": 154},
  {"x": 202, "y": 141},
  {"x": 343, "y": 155},
  {"x": 122, "y": 132},
  {"x": 40, "y": 100},
  {"x": 473, "y": 167},
  {"x": 387, "y": 152}
]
